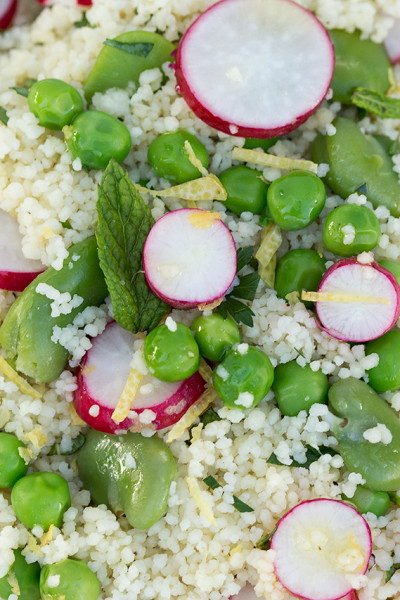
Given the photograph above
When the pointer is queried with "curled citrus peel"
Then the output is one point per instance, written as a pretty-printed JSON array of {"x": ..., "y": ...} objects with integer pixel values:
[
  {"x": 266, "y": 253},
  {"x": 128, "y": 395},
  {"x": 195, "y": 492},
  {"x": 341, "y": 297},
  {"x": 258, "y": 157},
  {"x": 19, "y": 381}
]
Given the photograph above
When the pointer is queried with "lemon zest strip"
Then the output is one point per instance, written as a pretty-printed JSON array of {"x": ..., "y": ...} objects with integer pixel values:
[
  {"x": 267, "y": 272},
  {"x": 270, "y": 160},
  {"x": 204, "y": 219},
  {"x": 342, "y": 297},
  {"x": 191, "y": 414},
  {"x": 128, "y": 395},
  {"x": 205, "y": 371},
  {"x": 195, "y": 492},
  {"x": 47, "y": 537},
  {"x": 19, "y": 381},
  {"x": 272, "y": 239},
  {"x": 196, "y": 162},
  {"x": 203, "y": 188},
  {"x": 13, "y": 583},
  {"x": 37, "y": 438}
]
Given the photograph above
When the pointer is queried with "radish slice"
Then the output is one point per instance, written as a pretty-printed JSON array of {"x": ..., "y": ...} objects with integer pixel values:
[
  {"x": 392, "y": 42},
  {"x": 319, "y": 545},
  {"x": 7, "y": 11},
  {"x": 254, "y": 68},
  {"x": 101, "y": 379},
  {"x": 189, "y": 258},
  {"x": 16, "y": 271},
  {"x": 359, "y": 321}
]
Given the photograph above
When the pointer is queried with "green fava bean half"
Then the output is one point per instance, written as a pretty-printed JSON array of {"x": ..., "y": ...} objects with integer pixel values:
[
  {"x": 96, "y": 137},
  {"x": 385, "y": 376},
  {"x": 74, "y": 581},
  {"x": 27, "y": 577},
  {"x": 297, "y": 388},
  {"x": 365, "y": 500},
  {"x": 244, "y": 377},
  {"x": 54, "y": 102},
  {"x": 28, "y": 327},
  {"x": 360, "y": 409},
  {"x": 12, "y": 466},
  {"x": 358, "y": 63},
  {"x": 124, "y": 58},
  {"x": 350, "y": 229},
  {"x": 245, "y": 188},
  {"x": 297, "y": 270},
  {"x": 168, "y": 157},
  {"x": 392, "y": 266},
  {"x": 358, "y": 162},
  {"x": 129, "y": 473},
  {"x": 215, "y": 335},
  {"x": 41, "y": 499},
  {"x": 295, "y": 200}
]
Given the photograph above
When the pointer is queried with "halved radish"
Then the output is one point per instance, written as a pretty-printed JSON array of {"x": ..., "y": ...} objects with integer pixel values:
[
  {"x": 7, "y": 11},
  {"x": 362, "y": 299},
  {"x": 16, "y": 271},
  {"x": 102, "y": 377},
  {"x": 189, "y": 258},
  {"x": 319, "y": 545},
  {"x": 254, "y": 68},
  {"x": 392, "y": 42}
]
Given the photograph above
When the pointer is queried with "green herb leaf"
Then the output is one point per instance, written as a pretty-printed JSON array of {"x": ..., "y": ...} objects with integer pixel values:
[
  {"x": 66, "y": 224},
  {"x": 376, "y": 103},
  {"x": 23, "y": 90},
  {"x": 389, "y": 574},
  {"x": 3, "y": 115},
  {"x": 312, "y": 455},
  {"x": 76, "y": 444},
  {"x": 264, "y": 543},
  {"x": 241, "y": 506},
  {"x": 124, "y": 222},
  {"x": 211, "y": 482},
  {"x": 238, "y": 310},
  {"x": 209, "y": 416},
  {"x": 83, "y": 22},
  {"x": 247, "y": 287},
  {"x": 141, "y": 49},
  {"x": 244, "y": 256}
]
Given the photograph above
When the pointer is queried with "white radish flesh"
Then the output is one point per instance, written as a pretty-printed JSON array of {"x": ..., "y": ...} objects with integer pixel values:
[
  {"x": 319, "y": 545},
  {"x": 255, "y": 68},
  {"x": 16, "y": 271},
  {"x": 359, "y": 321},
  {"x": 392, "y": 42},
  {"x": 103, "y": 375},
  {"x": 189, "y": 258},
  {"x": 7, "y": 11}
]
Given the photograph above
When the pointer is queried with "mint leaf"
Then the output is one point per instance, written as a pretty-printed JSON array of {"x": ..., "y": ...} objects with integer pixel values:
[
  {"x": 3, "y": 115},
  {"x": 141, "y": 49},
  {"x": 247, "y": 287},
  {"x": 23, "y": 90},
  {"x": 376, "y": 103},
  {"x": 124, "y": 222}
]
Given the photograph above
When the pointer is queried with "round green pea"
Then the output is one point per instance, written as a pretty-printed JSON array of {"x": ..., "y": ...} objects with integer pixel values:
[
  {"x": 27, "y": 576},
  {"x": 54, "y": 102},
  {"x": 363, "y": 230},
  {"x": 297, "y": 388},
  {"x": 244, "y": 377},
  {"x": 245, "y": 188},
  {"x": 41, "y": 499},
  {"x": 69, "y": 579},
  {"x": 264, "y": 144},
  {"x": 295, "y": 200},
  {"x": 385, "y": 376},
  {"x": 392, "y": 266},
  {"x": 12, "y": 466},
  {"x": 168, "y": 157},
  {"x": 171, "y": 353},
  {"x": 96, "y": 137},
  {"x": 297, "y": 270},
  {"x": 366, "y": 500},
  {"x": 215, "y": 335}
]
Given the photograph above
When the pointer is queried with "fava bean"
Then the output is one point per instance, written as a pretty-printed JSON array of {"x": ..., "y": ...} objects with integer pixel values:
[
  {"x": 351, "y": 229},
  {"x": 73, "y": 581},
  {"x": 215, "y": 335},
  {"x": 297, "y": 388},
  {"x": 168, "y": 157},
  {"x": 385, "y": 376},
  {"x": 54, "y": 102},
  {"x": 365, "y": 500},
  {"x": 12, "y": 466},
  {"x": 27, "y": 577},
  {"x": 392, "y": 266},
  {"x": 247, "y": 192}
]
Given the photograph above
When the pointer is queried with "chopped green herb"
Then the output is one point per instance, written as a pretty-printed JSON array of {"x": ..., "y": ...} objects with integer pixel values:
[
  {"x": 141, "y": 49},
  {"x": 211, "y": 482},
  {"x": 66, "y": 224},
  {"x": 376, "y": 103},
  {"x": 241, "y": 506},
  {"x": 298, "y": 352},
  {"x": 389, "y": 574},
  {"x": 209, "y": 416},
  {"x": 247, "y": 287},
  {"x": 265, "y": 542},
  {"x": 76, "y": 444},
  {"x": 3, "y": 115},
  {"x": 124, "y": 222},
  {"x": 312, "y": 455},
  {"x": 238, "y": 310},
  {"x": 23, "y": 90},
  {"x": 83, "y": 22},
  {"x": 244, "y": 256}
]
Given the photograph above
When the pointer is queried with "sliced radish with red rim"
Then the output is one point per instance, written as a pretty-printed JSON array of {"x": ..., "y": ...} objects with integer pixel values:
[
  {"x": 16, "y": 271},
  {"x": 255, "y": 68},
  {"x": 189, "y": 258},
  {"x": 392, "y": 42},
  {"x": 103, "y": 375},
  {"x": 7, "y": 11},
  {"x": 319, "y": 545}
]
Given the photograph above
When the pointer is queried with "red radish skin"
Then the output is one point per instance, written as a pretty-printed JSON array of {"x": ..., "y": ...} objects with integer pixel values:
[
  {"x": 392, "y": 42},
  {"x": 79, "y": 2},
  {"x": 309, "y": 538},
  {"x": 270, "y": 89},
  {"x": 188, "y": 264},
  {"x": 7, "y": 11},
  {"x": 101, "y": 379},
  {"x": 358, "y": 322},
  {"x": 16, "y": 271}
]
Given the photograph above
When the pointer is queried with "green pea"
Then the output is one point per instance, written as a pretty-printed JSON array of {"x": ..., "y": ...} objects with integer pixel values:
[
  {"x": 297, "y": 270},
  {"x": 245, "y": 188},
  {"x": 129, "y": 473},
  {"x": 125, "y": 59},
  {"x": 351, "y": 229},
  {"x": 27, "y": 577},
  {"x": 295, "y": 200},
  {"x": 371, "y": 501},
  {"x": 297, "y": 388},
  {"x": 96, "y": 137},
  {"x": 41, "y": 499},
  {"x": 69, "y": 579},
  {"x": 54, "y": 102},
  {"x": 168, "y": 158},
  {"x": 264, "y": 144},
  {"x": 215, "y": 335},
  {"x": 171, "y": 353},
  {"x": 12, "y": 466},
  {"x": 358, "y": 162},
  {"x": 392, "y": 266},
  {"x": 358, "y": 63},
  {"x": 385, "y": 376},
  {"x": 244, "y": 377},
  {"x": 27, "y": 330}
]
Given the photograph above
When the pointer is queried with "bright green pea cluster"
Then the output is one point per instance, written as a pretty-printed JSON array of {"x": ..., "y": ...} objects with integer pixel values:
[
  {"x": 168, "y": 157},
  {"x": 54, "y": 102},
  {"x": 351, "y": 229},
  {"x": 297, "y": 388},
  {"x": 12, "y": 466},
  {"x": 215, "y": 335},
  {"x": 247, "y": 192},
  {"x": 298, "y": 269},
  {"x": 75, "y": 581}
]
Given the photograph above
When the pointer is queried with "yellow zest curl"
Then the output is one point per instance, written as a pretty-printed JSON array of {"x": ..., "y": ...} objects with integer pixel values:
[{"x": 270, "y": 160}]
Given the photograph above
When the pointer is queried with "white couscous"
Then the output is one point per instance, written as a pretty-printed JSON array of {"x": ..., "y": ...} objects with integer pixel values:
[{"x": 183, "y": 555}]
